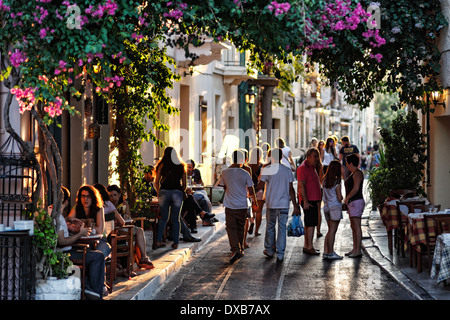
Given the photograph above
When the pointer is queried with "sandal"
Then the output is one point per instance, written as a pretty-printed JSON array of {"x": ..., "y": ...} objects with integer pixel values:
[{"x": 146, "y": 264}]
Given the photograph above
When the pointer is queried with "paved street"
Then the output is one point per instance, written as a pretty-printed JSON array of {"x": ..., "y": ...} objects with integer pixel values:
[{"x": 208, "y": 275}]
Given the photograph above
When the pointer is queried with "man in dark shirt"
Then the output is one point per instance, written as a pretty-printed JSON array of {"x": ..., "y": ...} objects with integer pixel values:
[
  {"x": 149, "y": 178},
  {"x": 347, "y": 149}
]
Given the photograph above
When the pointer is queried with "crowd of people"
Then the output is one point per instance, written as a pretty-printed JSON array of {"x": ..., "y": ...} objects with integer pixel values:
[
  {"x": 269, "y": 183},
  {"x": 262, "y": 177}
]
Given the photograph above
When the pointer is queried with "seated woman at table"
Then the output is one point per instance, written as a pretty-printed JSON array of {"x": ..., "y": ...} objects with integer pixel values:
[
  {"x": 90, "y": 206},
  {"x": 109, "y": 209},
  {"x": 115, "y": 195},
  {"x": 95, "y": 262}
]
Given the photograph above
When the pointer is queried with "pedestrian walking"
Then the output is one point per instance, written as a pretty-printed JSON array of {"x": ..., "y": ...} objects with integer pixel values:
[
  {"x": 355, "y": 202},
  {"x": 256, "y": 164},
  {"x": 278, "y": 180},
  {"x": 332, "y": 207},
  {"x": 236, "y": 182},
  {"x": 170, "y": 184},
  {"x": 287, "y": 154},
  {"x": 309, "y": 196},
  {"x": 346, "y": 149}
]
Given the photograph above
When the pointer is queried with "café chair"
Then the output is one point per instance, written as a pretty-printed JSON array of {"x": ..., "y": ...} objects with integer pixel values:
[
  {"x": 403, "y": 209},
  {"x": 81, "y": 263},
  {"x": 431, "y": 226},
  {"x": 121, "y": 240},
  {"x": 443, "y": 224}
]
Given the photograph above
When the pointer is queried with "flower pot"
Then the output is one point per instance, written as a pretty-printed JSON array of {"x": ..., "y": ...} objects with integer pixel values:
[{"x": 58, "y": 289}]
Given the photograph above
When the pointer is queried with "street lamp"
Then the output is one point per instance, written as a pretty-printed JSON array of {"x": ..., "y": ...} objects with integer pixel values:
[
  {"x": 435, "y": 97},
  {"x": 249, "y": 97}
]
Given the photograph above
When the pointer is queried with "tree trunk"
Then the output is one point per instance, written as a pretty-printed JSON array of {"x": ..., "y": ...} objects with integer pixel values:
[{"x": 266, "y": 114}]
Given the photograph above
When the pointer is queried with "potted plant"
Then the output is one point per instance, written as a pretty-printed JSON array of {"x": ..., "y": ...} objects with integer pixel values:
[
  {"x": 53, "y": 281},
  {"x": 402, "y": 160}
]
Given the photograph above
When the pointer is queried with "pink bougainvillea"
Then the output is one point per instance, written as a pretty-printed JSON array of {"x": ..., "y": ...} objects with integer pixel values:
[
  {"x": 17, "y": 58},
  {"x": 278, "y": 8},
  {"x": 25, "y": 98}
]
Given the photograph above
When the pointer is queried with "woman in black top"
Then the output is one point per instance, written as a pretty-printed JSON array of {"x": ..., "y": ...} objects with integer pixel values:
[
  {"x": 355, "y": 202},
  {"x": 90, "y": 206},
  {"x": 170, "y": 184}
]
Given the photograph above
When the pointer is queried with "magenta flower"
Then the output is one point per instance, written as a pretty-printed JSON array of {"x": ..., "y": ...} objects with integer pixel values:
[{"x": 17, "y": 58}]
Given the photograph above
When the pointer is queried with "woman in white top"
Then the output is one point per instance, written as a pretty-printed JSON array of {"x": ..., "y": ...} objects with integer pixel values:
[
  {"x": 332, "y": 198},
  {"x": 329, "y": 153}
]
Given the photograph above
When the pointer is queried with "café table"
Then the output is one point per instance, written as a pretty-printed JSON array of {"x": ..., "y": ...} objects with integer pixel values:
[
  {"x": 441, "y": 259},
  {"x": 416, "y": 232},
  {"x": 389, "y": 216}
]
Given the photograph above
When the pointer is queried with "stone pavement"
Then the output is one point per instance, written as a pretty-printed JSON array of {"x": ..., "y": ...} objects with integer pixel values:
[{"x": 167, "y": 261}]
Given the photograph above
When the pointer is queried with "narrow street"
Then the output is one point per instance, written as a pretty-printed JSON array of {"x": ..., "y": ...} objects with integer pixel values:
[{"x": 209, "y": 276}]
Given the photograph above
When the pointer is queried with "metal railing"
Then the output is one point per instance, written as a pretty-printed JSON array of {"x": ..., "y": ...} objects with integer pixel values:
[{"x": 17, "y": 266}]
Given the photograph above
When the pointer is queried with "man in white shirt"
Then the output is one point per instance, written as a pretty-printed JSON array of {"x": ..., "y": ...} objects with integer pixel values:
[
  {"x": 236, "y": 182},
  {"x": 279, "y": 189}
]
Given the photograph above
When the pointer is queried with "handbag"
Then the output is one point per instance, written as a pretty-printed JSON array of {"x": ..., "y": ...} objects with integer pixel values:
[{"x": 295, "y": 227}]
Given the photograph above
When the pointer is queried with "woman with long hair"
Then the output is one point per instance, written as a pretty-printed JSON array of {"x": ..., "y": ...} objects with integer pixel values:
[
  {"x": 256, "y": 163},
  {"x": 321, "y": 146},
  {"x": 329, "y": 153},
  {"x": 90, "y": 206},
  {"x": 332, "y": 208},
  {"x": 122, "y": 207},
  {"x": 170, "y": 184}
]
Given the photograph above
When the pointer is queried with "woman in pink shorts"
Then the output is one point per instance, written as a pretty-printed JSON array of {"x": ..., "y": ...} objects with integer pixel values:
[{"x": 355, "y": 202}]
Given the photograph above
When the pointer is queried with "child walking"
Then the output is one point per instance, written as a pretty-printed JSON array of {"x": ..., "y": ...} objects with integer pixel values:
[{"x": 332, "y": 198}]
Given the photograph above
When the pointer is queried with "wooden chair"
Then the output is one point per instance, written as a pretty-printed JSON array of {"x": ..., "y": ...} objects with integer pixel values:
[
  {"x": 430, "y": 235},
  {"x": 81, "y": 263},
  {"x": 443, "y": 224},
  {"x": 121, "y": 240},
  {"x": 400, "y": 234}
]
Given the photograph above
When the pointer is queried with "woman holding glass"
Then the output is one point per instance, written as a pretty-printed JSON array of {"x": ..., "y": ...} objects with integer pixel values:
[
  {"x": 170, "y": 184},
  {"x": 90, "y": 206}
]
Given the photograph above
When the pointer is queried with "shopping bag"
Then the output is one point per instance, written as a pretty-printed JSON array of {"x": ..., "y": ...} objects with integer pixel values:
[{"x": 295, "y": 227}]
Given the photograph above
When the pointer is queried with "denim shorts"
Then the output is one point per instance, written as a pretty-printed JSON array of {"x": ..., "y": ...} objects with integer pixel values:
[{"x": 356, "y": 208}]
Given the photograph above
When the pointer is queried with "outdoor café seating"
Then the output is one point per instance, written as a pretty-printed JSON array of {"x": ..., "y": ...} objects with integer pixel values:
[{"x": 121, "y": 240}]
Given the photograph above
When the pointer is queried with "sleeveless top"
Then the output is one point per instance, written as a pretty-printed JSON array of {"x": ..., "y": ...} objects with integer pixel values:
[
  {"x": 327, "y": 158},
  {"x": 330, "y": 198},
  {"x": 172, "y": 180},
  {"x": 349, "y": 187}
]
